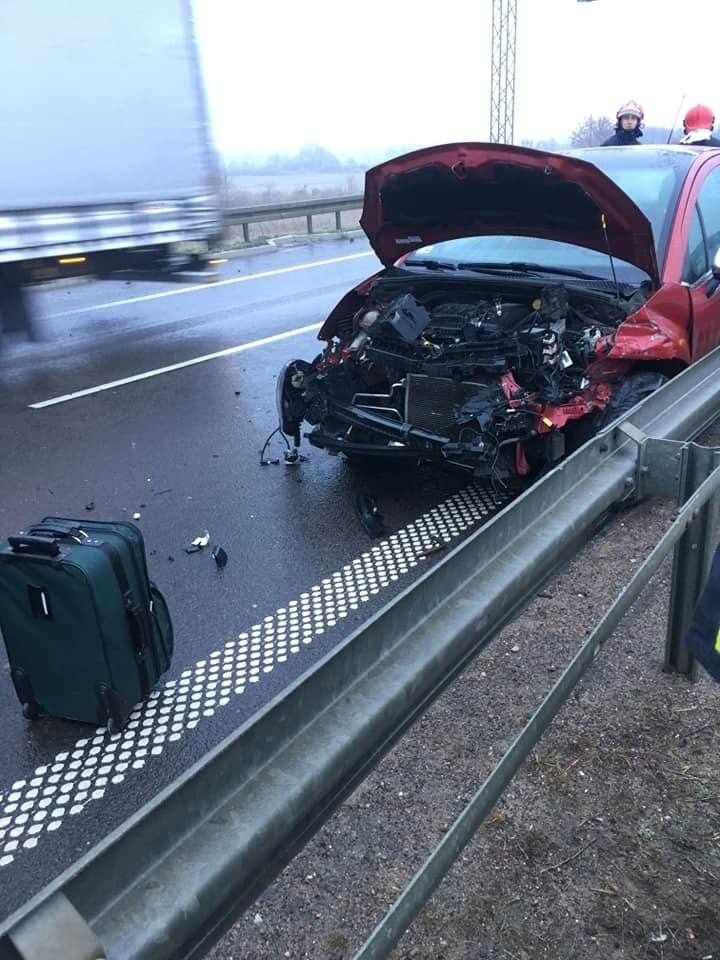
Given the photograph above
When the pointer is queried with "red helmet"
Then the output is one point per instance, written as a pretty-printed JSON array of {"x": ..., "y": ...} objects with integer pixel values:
[
  {"x": 699, "y": 117},
  {"x": 630, "y": 109}
]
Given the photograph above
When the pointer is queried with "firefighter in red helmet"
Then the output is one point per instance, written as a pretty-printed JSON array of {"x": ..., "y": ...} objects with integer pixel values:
[
  {"x": 628, "y": 129},
  {"x": 698, "y": 126}
]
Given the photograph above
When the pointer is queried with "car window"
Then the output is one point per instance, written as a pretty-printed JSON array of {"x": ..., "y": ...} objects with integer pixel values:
[
  {"x": 696, "y": 255},
  {"x": 531, "y": 250},
  {"x": 709, "y": 204},
  {"x": 652, "y": 179}
]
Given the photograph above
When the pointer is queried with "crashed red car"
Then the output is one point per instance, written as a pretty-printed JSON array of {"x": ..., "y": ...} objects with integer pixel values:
[{"x": 527, "y": 299}]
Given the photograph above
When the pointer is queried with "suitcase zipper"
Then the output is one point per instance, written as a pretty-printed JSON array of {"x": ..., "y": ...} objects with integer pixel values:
[{"x": 136, "y": 614}]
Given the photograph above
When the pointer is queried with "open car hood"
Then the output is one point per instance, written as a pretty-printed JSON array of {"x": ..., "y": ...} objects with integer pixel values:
[{"x": 479, "y": 189}]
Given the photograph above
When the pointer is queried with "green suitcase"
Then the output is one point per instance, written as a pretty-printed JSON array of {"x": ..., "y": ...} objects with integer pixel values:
[{"x": 87, "y": 633}]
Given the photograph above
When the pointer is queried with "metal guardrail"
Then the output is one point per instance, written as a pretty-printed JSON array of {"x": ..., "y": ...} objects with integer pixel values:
[
  {"x": 292, "y": 210},
  {"x": 169, "y": 881}
]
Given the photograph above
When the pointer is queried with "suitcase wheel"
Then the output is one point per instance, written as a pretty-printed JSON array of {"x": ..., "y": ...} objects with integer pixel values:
[
  {"x": 31, "y": 709},
  {"x": 110, "y": 703},
  {"x": 26, "y": 695}
]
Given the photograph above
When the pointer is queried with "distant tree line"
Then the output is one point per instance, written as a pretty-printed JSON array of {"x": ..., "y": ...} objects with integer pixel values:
[
  {"x": 312, "y": 158},
  {"x": 592, "y": 131}
]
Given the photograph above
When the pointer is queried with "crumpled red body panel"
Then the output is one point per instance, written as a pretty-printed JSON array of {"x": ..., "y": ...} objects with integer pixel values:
[{"x": 658, "y": 330}]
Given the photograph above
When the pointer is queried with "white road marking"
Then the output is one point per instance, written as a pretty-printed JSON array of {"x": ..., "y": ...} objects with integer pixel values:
[
  {"x": 62, "y": 788},
  {"x": 211, "y": 286},
  {"x": 229, "y": 351}
]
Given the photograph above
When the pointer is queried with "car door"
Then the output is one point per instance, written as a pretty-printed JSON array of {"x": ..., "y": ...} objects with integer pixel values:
[{"x": 701, "y": 248}]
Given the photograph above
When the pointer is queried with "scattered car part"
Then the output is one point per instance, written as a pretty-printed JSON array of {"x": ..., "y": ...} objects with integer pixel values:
[
  {"x": 370, "y": 516},
  {"x": 220, "y": 557}
]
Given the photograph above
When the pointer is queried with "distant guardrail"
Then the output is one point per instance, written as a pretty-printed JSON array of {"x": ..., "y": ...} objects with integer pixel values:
[{"x": 291, "y": 210}]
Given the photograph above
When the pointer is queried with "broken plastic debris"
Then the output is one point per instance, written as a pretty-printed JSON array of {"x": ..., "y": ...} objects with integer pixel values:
[
  {"x": 90, "y": 506},
  {"x": 370, "y": 516},
  {"x": 198, "y": 543},
  {"x": 435, "y": 547},
  {"x": 219, "y": 556},
  {"x": 294, "y": 456}
]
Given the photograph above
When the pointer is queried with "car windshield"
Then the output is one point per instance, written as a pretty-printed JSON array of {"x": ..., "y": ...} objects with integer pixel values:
[{"x": 652, "y": 178}]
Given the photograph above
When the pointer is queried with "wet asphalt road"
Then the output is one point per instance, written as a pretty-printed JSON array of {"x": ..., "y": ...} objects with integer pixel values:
[{"x": 181, "y": 448}]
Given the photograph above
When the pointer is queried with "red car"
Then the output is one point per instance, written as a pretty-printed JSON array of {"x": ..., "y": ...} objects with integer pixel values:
[{"x": 527, "y": 299}]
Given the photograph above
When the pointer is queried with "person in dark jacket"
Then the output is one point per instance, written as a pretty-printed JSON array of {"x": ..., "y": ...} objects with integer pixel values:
[
  {"x": 698, "y": 126},
  {"x": 628, "y": 129}
]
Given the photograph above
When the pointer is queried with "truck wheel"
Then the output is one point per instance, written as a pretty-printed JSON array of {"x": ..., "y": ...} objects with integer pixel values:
[{"x": 15, "y": 314}]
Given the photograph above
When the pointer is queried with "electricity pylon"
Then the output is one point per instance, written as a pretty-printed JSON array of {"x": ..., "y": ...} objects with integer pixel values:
[{"x": 502, "y": 71}]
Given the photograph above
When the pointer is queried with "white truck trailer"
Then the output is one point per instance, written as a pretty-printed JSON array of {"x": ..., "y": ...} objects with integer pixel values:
[{"x": 108, "y": 163}]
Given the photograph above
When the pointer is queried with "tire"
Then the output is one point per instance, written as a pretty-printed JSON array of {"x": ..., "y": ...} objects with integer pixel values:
[
  {"x": 636, "y": 386},
  {"x": 15, "y": 313}
]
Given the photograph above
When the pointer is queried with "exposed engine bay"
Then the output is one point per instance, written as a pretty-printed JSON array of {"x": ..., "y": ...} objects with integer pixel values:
[{"x": 476, "y": 375}]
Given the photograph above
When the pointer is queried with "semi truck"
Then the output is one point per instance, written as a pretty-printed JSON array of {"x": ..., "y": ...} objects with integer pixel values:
[{"x": 108, "y": 161}]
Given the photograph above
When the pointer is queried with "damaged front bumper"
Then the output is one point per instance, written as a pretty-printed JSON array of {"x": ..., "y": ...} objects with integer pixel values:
[{"x": 357, "y": 431}]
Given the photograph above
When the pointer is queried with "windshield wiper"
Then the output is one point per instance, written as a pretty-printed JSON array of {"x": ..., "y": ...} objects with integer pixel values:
[
  {"x": 431, "y": 264},
  {"x": 530, "y": 269}
]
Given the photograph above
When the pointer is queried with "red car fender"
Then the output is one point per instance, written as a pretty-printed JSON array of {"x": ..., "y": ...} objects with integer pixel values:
[
  {"x": 346, "y": 308},
  {"x": 659, "y": 330}
]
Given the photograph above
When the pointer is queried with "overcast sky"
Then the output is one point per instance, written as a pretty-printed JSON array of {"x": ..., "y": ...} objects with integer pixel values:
[{"x": 360, "y": 77}]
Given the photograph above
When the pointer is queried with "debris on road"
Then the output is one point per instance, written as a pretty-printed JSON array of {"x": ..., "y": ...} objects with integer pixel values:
[
  {"x": 198, "y": 543},
  {"x": 219, "y": 556},
  {"x": 369, "y": 515}
]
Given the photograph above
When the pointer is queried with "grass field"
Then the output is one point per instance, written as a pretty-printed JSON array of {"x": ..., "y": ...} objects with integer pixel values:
[
  {"x": 246, "y": 190},
  {"x": 269, "y": 188}
]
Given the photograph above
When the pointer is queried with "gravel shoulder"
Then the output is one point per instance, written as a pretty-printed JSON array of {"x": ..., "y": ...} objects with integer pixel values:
[{"x": 605, "y": 845}]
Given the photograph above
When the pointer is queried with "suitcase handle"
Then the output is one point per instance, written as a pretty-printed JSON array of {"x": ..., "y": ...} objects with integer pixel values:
[
  {"x": 138, "y": 624},
  {"x": 55, "y": 529},
  {"x": 39, "y": 546}
]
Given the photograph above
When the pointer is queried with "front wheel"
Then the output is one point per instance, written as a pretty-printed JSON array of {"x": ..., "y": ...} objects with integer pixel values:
[
  {"x": 636, "y": 386},
  {"x": 627, "y": 392}
]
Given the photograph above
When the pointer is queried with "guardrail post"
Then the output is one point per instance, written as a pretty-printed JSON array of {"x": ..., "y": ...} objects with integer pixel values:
[
  {"x": 309, "y": 223},
  {"x": 246, "y": 232},
  {"x": 338, "y": 218},
  {"x": 691, "y": 558},
  {"x": 71, "y": 936}
]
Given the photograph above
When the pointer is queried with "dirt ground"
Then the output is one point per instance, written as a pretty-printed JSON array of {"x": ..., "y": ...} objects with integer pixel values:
[{"x": 606, "y": 845}]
